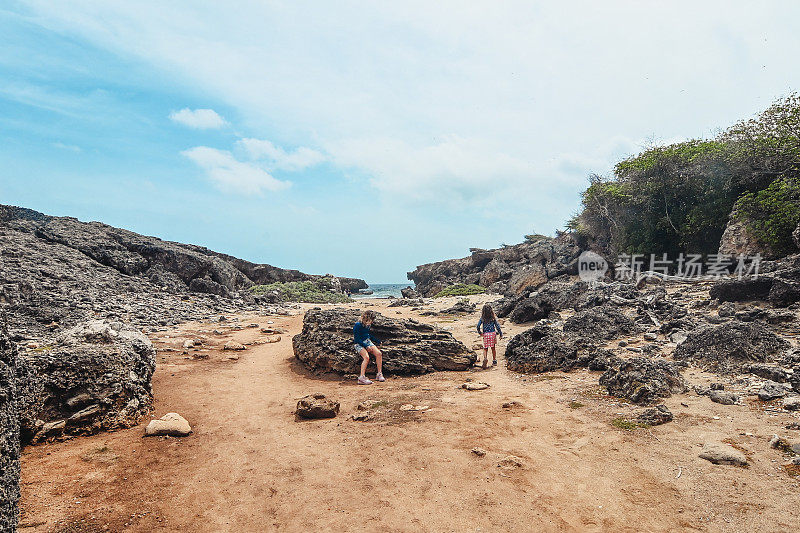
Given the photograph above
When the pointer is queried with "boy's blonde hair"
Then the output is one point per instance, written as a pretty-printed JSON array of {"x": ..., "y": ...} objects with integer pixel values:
[{"x": 368, "y": 316}]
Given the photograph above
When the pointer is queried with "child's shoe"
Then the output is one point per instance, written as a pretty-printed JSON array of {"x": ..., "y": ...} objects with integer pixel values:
[
  {"x": 379, "y": 377},
  {"x": 362, "y": 380}
]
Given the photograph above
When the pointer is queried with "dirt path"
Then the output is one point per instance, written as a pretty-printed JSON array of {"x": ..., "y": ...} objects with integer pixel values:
[{"x": 250, "y": 466}]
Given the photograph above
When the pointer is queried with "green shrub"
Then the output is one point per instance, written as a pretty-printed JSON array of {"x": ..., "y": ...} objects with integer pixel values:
[
  {"x": 678, "y": 198},
  {"x": 460, "y": 289},
  {"x": 772, "y": 214},
  {"x": 318, "y": 292}
]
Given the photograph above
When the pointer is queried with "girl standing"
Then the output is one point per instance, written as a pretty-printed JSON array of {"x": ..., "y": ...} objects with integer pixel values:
[{"x": 489, "y": 328}]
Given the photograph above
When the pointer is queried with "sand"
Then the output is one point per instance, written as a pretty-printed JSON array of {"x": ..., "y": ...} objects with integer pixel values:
[{"x": 552, "y": 463}]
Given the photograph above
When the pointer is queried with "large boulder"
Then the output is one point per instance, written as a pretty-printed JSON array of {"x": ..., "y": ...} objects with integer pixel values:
[
  {"x": 728, "y": 347},
  {"x": 737, "y": 239},
  {"x": 96, "y": 376},
  {"x": 514, "y": 270},
  {"x": 540, "y": 349},
  {"x": 643, "y": 380},
  {"x": 408, "y": 346},
  {"x": 9, "y": 436}
]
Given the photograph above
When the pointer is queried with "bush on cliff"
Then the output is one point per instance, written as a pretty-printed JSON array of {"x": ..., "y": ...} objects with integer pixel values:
[
  {"x": 460, "y": 289},
  {"x": 677, "y": 198},
  {"x": 317, "y": 292},
  {"x": 772, "y": 214}
]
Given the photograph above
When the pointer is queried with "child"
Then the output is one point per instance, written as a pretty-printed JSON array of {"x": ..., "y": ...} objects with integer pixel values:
[
  {"x": 364, "y": 344},
  {"x": 490, "y": 331}
]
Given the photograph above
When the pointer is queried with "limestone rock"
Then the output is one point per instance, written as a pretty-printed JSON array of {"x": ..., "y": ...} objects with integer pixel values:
[
  {"x": 723, "y": 397},
  {"x": 9, "y": 434},
  {"x": 722, "y": 454},
  {"x": 316, "y": 406},
  {"x": 171, "y": 424},
  {"x": 235, "y": 346},
  {"x": 792, "y": 403},
  {"x": 475, "y": 385},
  {"x": 540, "y": 349},
  {"x": 104, "y": 365},
  {"x": 643, "y": 380},
  {"x": 771, "y": 391},
  {"x": 408, "y": 346},
  {"x": 725, "y": 348},
  {"x": 655, "y": 416}
]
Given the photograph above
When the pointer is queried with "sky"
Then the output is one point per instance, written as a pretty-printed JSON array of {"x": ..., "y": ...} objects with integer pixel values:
[{"x": 363, "y": 138}]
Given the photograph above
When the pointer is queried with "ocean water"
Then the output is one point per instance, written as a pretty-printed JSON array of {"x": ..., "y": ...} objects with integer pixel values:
[{"x": 384, "y": 290}]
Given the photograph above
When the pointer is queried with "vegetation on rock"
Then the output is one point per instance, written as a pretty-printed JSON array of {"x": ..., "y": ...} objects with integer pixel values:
[
  {"x": 677, "y": 198},
  {"x": 318, "y": 292},
  {"x": 460, "y": 289}
]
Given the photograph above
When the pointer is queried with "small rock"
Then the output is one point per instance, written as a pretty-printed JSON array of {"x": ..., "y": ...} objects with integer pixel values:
[
  {"x": 253, "y": 325},
  {"x": 475, "y": 385},
  {"x": 316, "y": 406},
  {"x": 655, "y": 416},
  {"x": 650, "y": 336},
  {"x": 480, "y": 452},
  {"x": 230, "y": 345},
  {"x": 171, "y": 424},
  {"x": 361, "y": 417},
  {"x": 273, "y": 338},
  {"x": 511, "y": 461},
  {"x": 188, "y": 344},
  {"x": 722, "y": 454},
  {"x": 771, "y": 391},
  {"x": 724, "y": 398},
  {"x": 793, "y": 425},
  {"x": 678, "y": 337},
  {"x": 622, "y": 343},
  {"x": 717, "y": 386},
  {"x": 512, "y": 404},
  {"x": 792, "y": 403}
]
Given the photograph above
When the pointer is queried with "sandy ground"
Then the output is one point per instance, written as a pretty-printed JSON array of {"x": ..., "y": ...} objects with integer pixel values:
[{"x": 251, "y": 466}]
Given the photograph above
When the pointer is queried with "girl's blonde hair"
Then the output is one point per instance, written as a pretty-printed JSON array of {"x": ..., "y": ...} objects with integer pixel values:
[
  {"x": 368, "y": 316},
  {"x": 487, "y": 314}
]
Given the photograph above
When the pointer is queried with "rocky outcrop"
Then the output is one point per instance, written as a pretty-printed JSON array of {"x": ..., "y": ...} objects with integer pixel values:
[
  {"x": 540, "y": 349},
  {"x": 408, "y": 346},
  {"x": 515, "y": 270},
  {"x": 600, "y": 323},
  {"x": 9, "y": 434},
  {"x": 778, "y": 283},
  {"x": 643, "y": 380},
  {"x": 95, "y": 376},
  {"x": 738, "y": 239},
  {"x": 728, "y": 347},
  {"x": 171, "y": 265}
]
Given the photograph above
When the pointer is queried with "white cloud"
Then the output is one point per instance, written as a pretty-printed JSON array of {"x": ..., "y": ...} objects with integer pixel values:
[
  {"x": 231, "y": 175},
  {"x": 280, "y": 159},
  {"x": 70, "y": 147},
  {"x": 200, "y": 119}
]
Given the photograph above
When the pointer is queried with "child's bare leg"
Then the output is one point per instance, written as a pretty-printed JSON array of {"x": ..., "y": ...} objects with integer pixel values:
[
  {"x": 485, "y": 356},
  {"x": 365, "y": 361},
  {"x": 378, "y": 358},
  {"x": 494, "y": 354}
]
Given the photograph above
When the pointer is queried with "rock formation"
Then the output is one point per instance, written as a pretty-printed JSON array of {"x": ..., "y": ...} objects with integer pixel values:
[
  {"x": 9, "y": 434},
  {"x": 408, "y": 346},
  {"x": 517, "y": 269},
  {"x": 95, "y": 376},
  {"x": 727, "y": 347},
  {"x": 643, "y": 380},
  {"x": 540, "y": 349}
]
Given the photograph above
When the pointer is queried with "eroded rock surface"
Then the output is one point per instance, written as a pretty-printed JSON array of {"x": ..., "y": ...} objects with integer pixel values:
[
  {"x": 517, "y": 269},
  {"x": 95, "y": 376},
  {"x": 408, "y": 346},
  {"x": 9, "y": 435},
  {"x": 643, "y": 380},
  {"x": 540, "y": 349},
  {"x": 315, "y": 406},
  {"x": 727, "y": 347}
]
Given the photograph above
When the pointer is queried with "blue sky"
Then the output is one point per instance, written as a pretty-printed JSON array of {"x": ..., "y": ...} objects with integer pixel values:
[{"x": 362, "y": 138}]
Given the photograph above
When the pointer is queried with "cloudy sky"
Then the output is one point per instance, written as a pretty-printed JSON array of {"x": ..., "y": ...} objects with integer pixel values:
[{"x": 362, "y": 138}]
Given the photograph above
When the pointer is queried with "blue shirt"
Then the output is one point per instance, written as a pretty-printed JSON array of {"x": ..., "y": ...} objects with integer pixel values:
[
  {"x": 361, "y": 334},
  {"x": 489, "y": 327}
]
